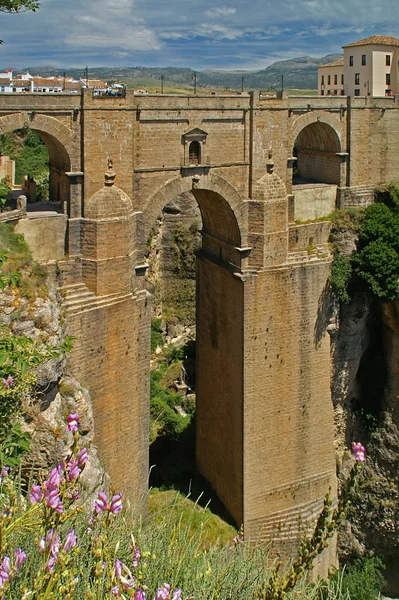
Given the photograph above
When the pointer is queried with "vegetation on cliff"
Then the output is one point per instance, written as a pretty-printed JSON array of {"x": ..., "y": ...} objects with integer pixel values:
[
  {"x": 31, "y": 158},
  {"x": 375, "y": 263}
]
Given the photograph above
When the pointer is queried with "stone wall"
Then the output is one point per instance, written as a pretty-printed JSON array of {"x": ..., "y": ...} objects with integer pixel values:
[
  {"x": 220, "y": 384},
  {"x": 314, "y": 201},
  {"x": 111, "y": 358},
  {"x": 45, "y": 236}
]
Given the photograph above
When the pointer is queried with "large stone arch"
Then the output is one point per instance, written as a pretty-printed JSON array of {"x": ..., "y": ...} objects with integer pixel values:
[
  {"x": 209, "y": 190},
  {"x": 50, "y": 128}
]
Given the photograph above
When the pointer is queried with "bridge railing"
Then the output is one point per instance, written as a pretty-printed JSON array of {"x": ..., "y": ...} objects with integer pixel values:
[{"x": 109, "y": 93}]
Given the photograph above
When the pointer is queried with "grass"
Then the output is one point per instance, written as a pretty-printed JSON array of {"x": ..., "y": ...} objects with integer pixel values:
[
  {"x": 172, "y": 504},
  {"x": 34, "y": 275}
]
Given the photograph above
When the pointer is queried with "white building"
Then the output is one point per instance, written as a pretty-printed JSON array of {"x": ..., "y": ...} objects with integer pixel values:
[{"x": 369, "y": 67}]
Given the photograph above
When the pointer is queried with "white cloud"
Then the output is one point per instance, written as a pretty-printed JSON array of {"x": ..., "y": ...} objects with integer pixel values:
[
  {"x": 109, "y": 24},
  {"x": 221, "y": 11}
]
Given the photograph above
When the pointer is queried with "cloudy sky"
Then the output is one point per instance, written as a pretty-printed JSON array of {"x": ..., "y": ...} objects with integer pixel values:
[{"x": 235, "y": 34}]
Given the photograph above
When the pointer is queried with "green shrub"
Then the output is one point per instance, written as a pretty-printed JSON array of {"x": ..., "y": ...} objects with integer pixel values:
[
  {"x": 364, "y": 579},
  {"x": 340, "y": 276},
  {"x": 156, "y": 334},
  {"x": 376, "y": 260}
]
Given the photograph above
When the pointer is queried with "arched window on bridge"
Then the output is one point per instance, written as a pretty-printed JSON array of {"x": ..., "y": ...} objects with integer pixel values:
[{"x": 194, "y": 153}]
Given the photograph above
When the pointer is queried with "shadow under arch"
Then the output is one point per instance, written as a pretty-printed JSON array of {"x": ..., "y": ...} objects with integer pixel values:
[
  {"x": 221, "y": 206},
  {"x": 58, "y": 140},
  {"x": 220, "y": 313},
  {"x": 316, "y": 148}
]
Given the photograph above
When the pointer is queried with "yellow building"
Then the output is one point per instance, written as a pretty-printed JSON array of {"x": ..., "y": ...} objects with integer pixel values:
[{"x": 370, "y": 67}]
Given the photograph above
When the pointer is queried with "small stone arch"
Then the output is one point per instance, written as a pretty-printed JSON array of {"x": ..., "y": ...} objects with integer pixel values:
[
  {"x": 317, "y": 147},
  {"x": 311, "y": 118},
  {"x": 213, "y": 193}
]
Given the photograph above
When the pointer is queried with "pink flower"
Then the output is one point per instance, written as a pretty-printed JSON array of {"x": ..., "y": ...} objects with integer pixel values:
[
  {"x": 53, "y": 500},
  {"x": 5, "y": 571},
  {"x": 51, "y": 491},
  {"x": 72, "y": 470},
  {"x": 101, "y": 503},
  {"x": 83, "y": 457},
  {"x": 358, "y": 451},
  {"x": 55, "y": 477},
  {"x": 70, "y": 540},
  {"x": 118, "y": 568},
  {"x": 163, "y": 592},
  {"x": 137, "y": 555},
  {"x": 176, "y": 594},
  {"x": 139, "y": 595},
  {"x": 115, "y": 591},
  {"x": 116, "y": 503},
  {"x": 73, "y": 422},
  {"x": 50, "y": 544},
  {"x": 20, "y": 558},
  {"x": 7, "y": 382},
  {"x": 37, "y": 494},
  {"x": 3, "y": 473}
]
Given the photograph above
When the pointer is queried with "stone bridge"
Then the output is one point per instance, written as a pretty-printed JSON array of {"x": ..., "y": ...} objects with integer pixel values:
[{"x": 264, "y": 426}]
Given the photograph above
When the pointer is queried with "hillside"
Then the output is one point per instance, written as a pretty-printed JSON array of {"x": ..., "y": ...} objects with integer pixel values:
[{"x": 300, "y": 73}]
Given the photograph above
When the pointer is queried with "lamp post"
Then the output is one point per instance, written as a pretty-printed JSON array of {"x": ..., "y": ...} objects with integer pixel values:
[
  {"x": 194, "y": 78},
  {"x": 243, "y": 80},
  {"x": 162, "y": 80},
  {"x": 86, "y": 75}
]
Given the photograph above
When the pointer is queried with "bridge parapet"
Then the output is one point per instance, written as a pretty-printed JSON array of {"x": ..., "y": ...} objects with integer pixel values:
[{"x": 35, "y": 101}]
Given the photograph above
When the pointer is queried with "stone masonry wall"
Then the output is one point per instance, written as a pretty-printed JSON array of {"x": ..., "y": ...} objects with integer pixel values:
[
  {"x": 219, "y": 375},
  {"x": 288, "y": 418},
  {"x": 111, "y": 357}
]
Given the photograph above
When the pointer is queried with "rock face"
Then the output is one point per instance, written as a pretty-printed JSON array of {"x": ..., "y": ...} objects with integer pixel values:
[
  {"x": 172, "y": 263},
  {"x": 57, "y": 394},
  {"x": 365, "y": 391},
  {"x": 349, "y": 342}
]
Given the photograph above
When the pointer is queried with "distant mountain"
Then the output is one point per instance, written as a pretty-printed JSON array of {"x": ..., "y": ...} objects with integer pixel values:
[{"x": 299, "y": 73}]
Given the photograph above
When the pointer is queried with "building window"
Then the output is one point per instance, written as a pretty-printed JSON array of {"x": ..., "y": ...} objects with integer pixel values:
[
  {"x": 194, "y": 153},
  {"x": 351, "y": 61},
  {"x": 329, "y": 80},
  {"x": 335, "y": 79},
  {"x": 322, "y": 92},
  {"x": 388, "y": 78},
  {"x": 335, "y": 92},
  {"x": 342, "y": 79},
  {"x": 357, "y": 92},
  {"x": 363, "y": 59},
  {"x": 388, "y": 60},
  {"x": 357, "y": 78},
  {"x": 322, "y": 80}
]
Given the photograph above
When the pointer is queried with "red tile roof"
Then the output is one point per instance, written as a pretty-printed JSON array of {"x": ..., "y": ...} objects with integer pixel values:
[
  {"x": 335, "y": 63},
  {"x": 375, "y": 39}
]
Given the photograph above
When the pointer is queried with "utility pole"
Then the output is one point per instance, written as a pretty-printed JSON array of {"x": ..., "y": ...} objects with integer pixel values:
[
  {"x": 282, "y": 84},
  {"x": 63, "y": 87},
  {"x": 162, "y": 80},
  {"x": 243, "y": 80},
  {"x": 86, "y": 76},
  {"x": 194, "y": 77}
]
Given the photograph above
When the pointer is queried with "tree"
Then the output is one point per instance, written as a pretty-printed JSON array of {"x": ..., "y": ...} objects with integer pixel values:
[{"x": 18, "y": 6}]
